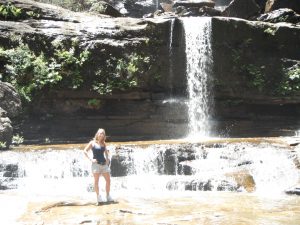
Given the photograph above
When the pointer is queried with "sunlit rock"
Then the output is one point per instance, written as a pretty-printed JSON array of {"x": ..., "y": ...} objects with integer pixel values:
[
  {"x": 277, "y": 4},
  {"x": 102, "y": 7},
  {"x": 242, "y": 9},
  {"x": 280, "y": 15},
  {"x": 10, "y": 107},
  {"x": 243, "y": 179}
]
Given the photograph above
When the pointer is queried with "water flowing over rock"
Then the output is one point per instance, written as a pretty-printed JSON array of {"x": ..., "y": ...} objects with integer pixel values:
[
  {"x": 199, "y": 64},
  {"x": 244, "y": 167}
]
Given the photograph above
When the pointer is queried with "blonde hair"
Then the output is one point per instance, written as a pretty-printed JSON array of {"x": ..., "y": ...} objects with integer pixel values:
[{"x": 100, "y": 130}]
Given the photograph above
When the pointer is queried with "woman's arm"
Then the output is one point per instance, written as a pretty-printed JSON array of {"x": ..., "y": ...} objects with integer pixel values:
[
  {"x": 107, "y": 156},
  {"x": 86, "y": 149}
]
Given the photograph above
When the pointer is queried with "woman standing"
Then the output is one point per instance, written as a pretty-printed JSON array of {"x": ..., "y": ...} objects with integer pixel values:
[{"x": 100, "y": 163}]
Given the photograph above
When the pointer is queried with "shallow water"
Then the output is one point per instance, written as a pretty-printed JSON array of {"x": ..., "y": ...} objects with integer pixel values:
[
  {"x": 54, "y": 183},
  {"x": 167, "y": 208}
]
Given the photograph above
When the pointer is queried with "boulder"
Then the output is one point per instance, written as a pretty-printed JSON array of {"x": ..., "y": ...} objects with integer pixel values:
[
  {"x": 10, "y": 107},
  {"x": 280, "y": 15},
  {"x": 241, "y": 9},
  {"x": 208, "y": 11},
  {"x": 243, "y": 179},
  {"x": 9, "y": 172},
  {"x": 277, "y": 4},
  {"x": 9, "y": 100},
  {"x": 222, "y": 2},
  {"x": 6, "y": 130},
  {"x": 261, "y": 4},
  {"x": 32, "y": 9},
  {"x": 102, "y": 7}
]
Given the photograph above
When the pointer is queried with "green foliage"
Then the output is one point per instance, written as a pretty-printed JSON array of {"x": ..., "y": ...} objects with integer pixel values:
[
  {"x": 2, "y": 145},
  {"x": 290, "y": 83},
  {"x": 17, "y": 139},
  {"x": 10, "y": 12},
  {"x": 29, "y": 72},
  {"x": 121, "y": 74},
  {"x": 70, "y": 65},
  {"x": 253, "y": 73},
  {"x": 270, "y": 31},
  {"x": 94, "y": 103},
  {"x": 33, "y": 14},
  {"x": 98, "y": 7},
  {"x": 255, "y": 76}
]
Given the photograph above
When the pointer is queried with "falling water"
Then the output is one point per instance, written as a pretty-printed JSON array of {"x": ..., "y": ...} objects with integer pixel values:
[
  {"x": 153, "y": 170},
  {"x": 171, "y": 57},
  {"x": 199, "y": 61}
]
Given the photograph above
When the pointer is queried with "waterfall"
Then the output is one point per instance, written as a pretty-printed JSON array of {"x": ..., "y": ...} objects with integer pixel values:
[
  {"x": 153, "y": 170},
  {"x": 171, "y": 75},
  {"x": 198, "y": 72}
]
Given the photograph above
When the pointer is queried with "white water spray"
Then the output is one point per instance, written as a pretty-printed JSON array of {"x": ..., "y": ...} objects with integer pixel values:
[{"x": 199, "y": 61}]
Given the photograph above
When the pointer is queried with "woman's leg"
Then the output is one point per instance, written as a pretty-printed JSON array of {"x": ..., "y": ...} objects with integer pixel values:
[
  {"x": 107, "y": 180},
  {"x": 96, "y": 183}
]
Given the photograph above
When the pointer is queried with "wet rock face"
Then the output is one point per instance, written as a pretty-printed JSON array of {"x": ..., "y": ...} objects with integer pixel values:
[{"x": 274, "y": 54}]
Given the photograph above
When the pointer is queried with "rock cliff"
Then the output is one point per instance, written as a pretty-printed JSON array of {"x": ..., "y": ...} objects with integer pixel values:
[{"x": 256, "y": 75}]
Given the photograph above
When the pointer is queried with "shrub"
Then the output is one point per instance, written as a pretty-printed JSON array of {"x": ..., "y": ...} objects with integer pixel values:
[
  {"x": 121, "y": 74},
  {"x": 29, "y": 72}
]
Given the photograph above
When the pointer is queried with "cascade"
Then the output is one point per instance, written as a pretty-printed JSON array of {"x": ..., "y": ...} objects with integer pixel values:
[
  {"x": 153, "y": 169},
  {"x": 198, "y": 72}
]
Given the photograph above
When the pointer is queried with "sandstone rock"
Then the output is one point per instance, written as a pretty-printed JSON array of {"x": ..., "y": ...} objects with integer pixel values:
[
  {"x": 167, "y": 7},
  {"x": 10, "y": 107},
  {"x": 41, "y": 10},
  {"x": 277, "y": 4},
  {"x": 6, "y": 132},
  {"x": 222, "y": 2},
  {"x": 243, "y": 179},
  {"x": 262, "y": 4},
  {"x": 197, "y": 4},
  {"x": 242, "y": 9},
  {"x": 10, "y": 100},
  {"x": 280, "y": 15},
  {"x": 208, "y": 11},
  {"x": 102, "y": 7}
]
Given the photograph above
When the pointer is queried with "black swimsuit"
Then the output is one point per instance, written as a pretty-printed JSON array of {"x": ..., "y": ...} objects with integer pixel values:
[{"x": 98, "y": 154}]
